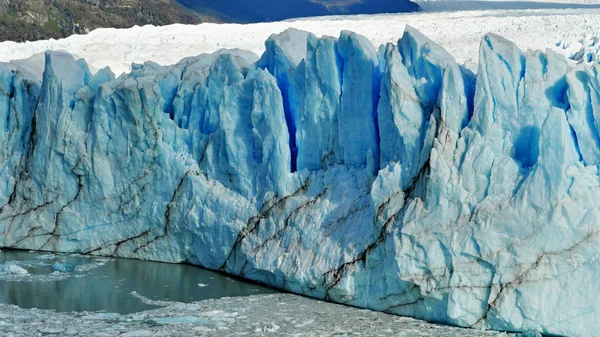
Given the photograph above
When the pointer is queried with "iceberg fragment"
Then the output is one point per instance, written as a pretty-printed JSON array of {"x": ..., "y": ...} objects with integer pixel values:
[
  {"x": 11, "y": 268},
  {"x": 63, "y": 267}
]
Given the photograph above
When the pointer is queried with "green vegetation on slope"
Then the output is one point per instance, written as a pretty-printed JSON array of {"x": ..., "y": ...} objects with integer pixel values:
[{"x": 28, "y": 20}]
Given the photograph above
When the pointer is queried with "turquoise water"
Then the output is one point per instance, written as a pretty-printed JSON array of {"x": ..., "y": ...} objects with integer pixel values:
[{"x": 106, "y": 284}]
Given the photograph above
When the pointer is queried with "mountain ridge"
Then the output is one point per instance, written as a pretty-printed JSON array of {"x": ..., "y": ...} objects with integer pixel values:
[
  {"x": 253, "y": 11},
  {"x": 27, "y": 20},
  {"x": 31, "y": 20}
]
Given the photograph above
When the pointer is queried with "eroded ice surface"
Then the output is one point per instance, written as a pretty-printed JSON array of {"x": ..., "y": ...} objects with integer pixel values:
[{"x": 387, "y": 178}]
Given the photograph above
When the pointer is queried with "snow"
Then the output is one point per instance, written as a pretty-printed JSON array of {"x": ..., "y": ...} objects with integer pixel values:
[
  {"x": 479, "y": 5},
  {"x": 529, "y": 29},
  {"x": 263, "y": 315}
]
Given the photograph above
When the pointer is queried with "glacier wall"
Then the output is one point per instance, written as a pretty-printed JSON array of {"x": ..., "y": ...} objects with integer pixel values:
[{"x": 392, "y": 179}]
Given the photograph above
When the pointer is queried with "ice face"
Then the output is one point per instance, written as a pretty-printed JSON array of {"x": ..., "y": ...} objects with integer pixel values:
[{"x": 392, "y": 179}]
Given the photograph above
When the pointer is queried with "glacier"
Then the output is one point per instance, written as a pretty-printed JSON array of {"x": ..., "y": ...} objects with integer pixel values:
[{"x": 387, "y": 178}]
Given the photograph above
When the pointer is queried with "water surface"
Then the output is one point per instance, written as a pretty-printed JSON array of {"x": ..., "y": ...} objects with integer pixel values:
[{"x": 102, "y": 284}]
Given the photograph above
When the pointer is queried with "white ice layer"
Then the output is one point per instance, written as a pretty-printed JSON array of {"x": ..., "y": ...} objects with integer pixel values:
[{"x": 391, "y": 179}]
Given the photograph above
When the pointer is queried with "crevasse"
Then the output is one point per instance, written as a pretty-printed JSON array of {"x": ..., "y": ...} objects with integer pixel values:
[{"x": 391, "y": 179}]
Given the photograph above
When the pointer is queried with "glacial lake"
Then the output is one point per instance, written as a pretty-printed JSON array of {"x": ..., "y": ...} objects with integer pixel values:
[{"x": 111, "y": 285}]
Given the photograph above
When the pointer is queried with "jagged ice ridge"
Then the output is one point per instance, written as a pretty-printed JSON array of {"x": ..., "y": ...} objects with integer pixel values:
[{"x": 390, "y": 179}]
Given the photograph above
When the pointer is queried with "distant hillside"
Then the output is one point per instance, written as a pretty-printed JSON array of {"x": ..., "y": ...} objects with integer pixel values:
[
  {"x": 22, "y": 20},
  {"x": 245, "y": 11},
  {"x": 29, "y": 20}
]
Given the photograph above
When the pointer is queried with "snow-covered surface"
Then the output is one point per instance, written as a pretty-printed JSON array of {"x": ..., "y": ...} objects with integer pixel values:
[
  {"x": 261, "y": 315},
  {"x": 514, "y": 3},
  {"x": 484, "y": 5},
  {"x": 459, "y": 32}
]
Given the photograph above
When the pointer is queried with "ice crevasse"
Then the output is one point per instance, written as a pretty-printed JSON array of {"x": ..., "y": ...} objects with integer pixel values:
[{"x": 392, "y": 179}]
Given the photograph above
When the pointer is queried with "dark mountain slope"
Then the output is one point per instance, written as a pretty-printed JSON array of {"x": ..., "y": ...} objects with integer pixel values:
[
  {"x": 22, "y": 20},
  {"x": 245, "y": 11}
]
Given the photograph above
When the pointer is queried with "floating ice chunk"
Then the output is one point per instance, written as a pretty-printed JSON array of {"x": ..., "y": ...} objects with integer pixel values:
[
  {"x": 148, "y": 301},
  {"x": 305, "y": 323},
  {"x": 50, "y": 330},
  {"x": 11, "y": 268},
  {"x": 270, "y": 328},
  {"x": 138, "y": 333},
  {"x": 63, "y": 267},
  {"x": 179, "y": 320},
  {"x": 46, "y": 257},
  {"x": 89, "y": 266},
  {"x": 102, "y": 317}
]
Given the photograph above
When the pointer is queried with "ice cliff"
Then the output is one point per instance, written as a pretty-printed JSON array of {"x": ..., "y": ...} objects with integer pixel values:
[{"x": 392, "y": 178}]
